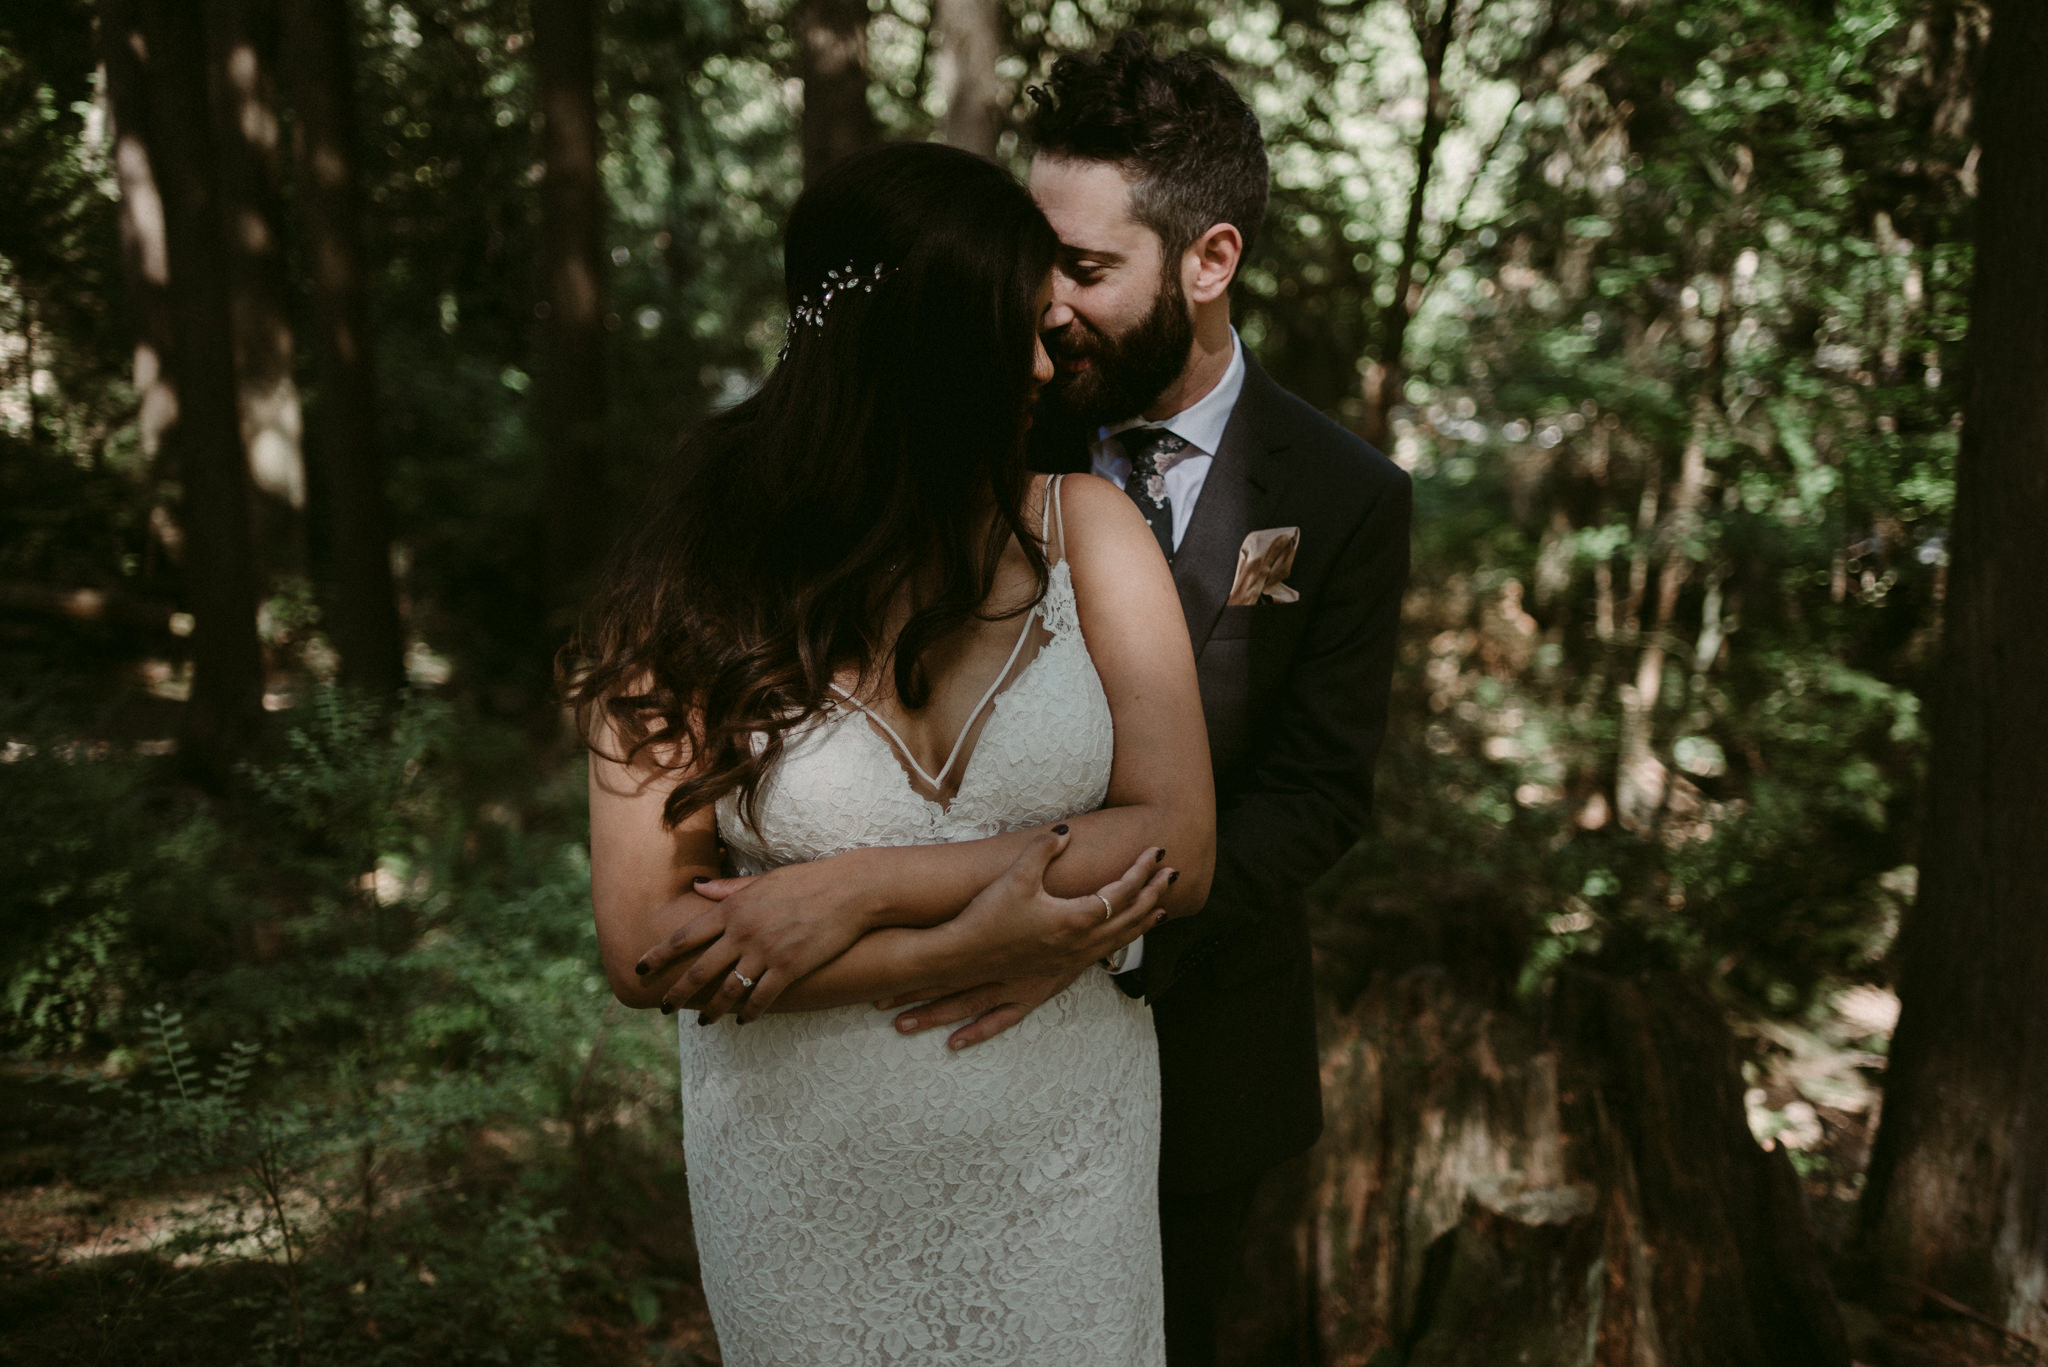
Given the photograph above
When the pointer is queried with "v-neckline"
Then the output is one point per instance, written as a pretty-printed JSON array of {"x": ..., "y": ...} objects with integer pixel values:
[
  {"x": 1050, "y": 521},
  {"x": 1005, "y": 679}
]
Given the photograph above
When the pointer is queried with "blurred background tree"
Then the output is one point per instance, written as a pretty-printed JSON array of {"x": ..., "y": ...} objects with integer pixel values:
[{"x": 1662, "y": 305}]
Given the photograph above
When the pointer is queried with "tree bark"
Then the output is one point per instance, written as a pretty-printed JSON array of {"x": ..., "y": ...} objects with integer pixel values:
[
  {"x": 242, "y": 35},
  {"x": 1572, "y": 1186},
  {"x": 569, "y": 403},
  {"x": 145, "y": 254},
  {"x": 362, "y": 601},
  {"x": 220, "y": 572},
  {"x": 1957, "y": 1199},
  {"x": 832, "y": 59},
  {"x": 970, "y": 36}
]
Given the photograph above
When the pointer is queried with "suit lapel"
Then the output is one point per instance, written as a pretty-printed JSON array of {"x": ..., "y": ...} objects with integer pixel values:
[{"x": 1238, "y": 494}]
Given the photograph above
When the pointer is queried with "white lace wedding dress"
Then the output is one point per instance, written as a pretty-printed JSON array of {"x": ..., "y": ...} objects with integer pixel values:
[{"x": 861, "y": 1197}]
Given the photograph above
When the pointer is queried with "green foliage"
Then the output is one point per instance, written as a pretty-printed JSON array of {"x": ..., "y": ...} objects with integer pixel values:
[
  {"x": 59, "y": 262},
  {"x": 1686, "y": 421},
  {"x": 295, "y": 1185},
  {"x": 417, "y": 1146},
  {"x": 349, "y": 781},
  {"x": 114, "y": 887}
]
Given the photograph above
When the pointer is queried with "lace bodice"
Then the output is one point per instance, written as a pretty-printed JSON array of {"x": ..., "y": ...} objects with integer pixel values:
[
  {"x": 1043, "y": 754},
  {"x": 861, "y": 1197}
]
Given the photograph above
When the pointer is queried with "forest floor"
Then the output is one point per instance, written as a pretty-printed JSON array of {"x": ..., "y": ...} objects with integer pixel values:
[
  {"x": 88, "y": 1273},
  {"x": 102, "y": 1272}
]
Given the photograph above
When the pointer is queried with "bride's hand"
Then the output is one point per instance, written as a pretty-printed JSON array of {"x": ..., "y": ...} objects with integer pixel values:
[
  {"x": 1016, "y": 929},
  {"x": 780, "y": 925},
  {"x": 1053, "y": 939}
]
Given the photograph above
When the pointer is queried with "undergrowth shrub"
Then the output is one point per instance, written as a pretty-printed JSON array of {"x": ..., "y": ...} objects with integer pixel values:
[
  {"x": 427, "y": 1149},
  {"x": 362, "y": 1271},
  {"x": 112, "y": 883}
]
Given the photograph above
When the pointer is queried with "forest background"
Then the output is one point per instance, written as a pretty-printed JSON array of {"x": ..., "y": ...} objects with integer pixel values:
[{"x": 336, "y": 334}]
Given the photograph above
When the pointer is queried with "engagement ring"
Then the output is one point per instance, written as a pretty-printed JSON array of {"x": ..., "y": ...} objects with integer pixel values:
[{"x": 745, "y": 981}]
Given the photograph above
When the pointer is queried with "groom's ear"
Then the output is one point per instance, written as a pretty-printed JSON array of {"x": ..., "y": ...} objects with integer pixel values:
[{"x": 1210, "y": 263}]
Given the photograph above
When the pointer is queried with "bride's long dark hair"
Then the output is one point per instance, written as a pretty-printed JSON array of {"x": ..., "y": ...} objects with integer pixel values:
[{"x": 882, "y": 459}]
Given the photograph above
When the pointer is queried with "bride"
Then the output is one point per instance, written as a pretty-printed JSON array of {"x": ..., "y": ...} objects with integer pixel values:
[{"x": 857, "y": 649}]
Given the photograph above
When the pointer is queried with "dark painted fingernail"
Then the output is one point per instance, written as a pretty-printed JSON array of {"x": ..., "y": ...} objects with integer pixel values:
[
  {"x": 641, "y": 969},
  {"x": 1060, "y": 829},
  {"x": 700, "y": 878},
  {"x": 1160, "y": 917},
  {"x": 703, "y": 1019},
  {"x": 1173, "y": 877},
  {"x": 666, "y": 1009},
  {"x": 1159, "y": 856}
]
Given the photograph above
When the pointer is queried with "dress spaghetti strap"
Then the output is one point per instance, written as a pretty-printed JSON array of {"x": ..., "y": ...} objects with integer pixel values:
[{"x": 1052, "y": 522}]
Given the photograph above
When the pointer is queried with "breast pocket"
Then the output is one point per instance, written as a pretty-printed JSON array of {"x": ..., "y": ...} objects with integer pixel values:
[
  {"x": 1269, "y": 621},
  {"x": 1235, "y": 624}
]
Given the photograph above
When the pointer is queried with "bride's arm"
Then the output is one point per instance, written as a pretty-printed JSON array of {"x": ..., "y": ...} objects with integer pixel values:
[
  {"x": 642, "y": 876},
  {"x": 1160, "y": 795},
  {"x": 1013, "y": 928}
]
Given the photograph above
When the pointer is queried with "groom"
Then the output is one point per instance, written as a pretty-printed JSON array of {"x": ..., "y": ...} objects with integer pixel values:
[{"x": 1288, "y": 538}]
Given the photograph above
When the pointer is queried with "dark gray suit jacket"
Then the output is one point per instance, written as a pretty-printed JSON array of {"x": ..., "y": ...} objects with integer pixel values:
[{"x": 1295, "y": 698}]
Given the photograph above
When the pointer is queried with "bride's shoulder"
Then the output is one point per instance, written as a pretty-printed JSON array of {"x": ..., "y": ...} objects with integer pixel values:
[{"x": 1100, "y": 521}]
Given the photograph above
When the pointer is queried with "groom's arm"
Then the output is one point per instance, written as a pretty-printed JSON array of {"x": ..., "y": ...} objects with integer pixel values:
[{"x": 1310, "y": 789}]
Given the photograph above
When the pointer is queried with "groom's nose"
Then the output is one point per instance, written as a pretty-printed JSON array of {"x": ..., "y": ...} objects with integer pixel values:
[{"x": 1057, "y": 314}]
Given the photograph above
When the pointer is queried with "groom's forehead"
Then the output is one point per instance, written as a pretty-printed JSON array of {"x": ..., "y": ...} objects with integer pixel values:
[{"x": 1091, "y": 204}]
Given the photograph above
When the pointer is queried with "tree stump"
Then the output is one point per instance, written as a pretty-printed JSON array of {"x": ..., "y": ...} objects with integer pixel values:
[{"x": 1568, "y": 1182}]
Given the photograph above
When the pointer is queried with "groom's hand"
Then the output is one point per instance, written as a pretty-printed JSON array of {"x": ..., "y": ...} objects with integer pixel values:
[{"x": 990, "y": 1009}]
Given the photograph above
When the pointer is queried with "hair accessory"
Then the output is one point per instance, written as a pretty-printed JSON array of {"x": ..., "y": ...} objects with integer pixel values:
[{"x": 810, "y": 310}]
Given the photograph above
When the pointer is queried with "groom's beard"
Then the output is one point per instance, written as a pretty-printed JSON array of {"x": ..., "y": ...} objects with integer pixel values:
[{"x": 1126, "y": 373}]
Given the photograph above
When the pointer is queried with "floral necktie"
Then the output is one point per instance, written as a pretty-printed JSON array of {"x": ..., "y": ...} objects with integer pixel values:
[{"x": 1153, "y": 451}]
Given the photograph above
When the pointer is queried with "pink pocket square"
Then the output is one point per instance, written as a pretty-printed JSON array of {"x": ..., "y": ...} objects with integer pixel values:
[{"x": 1263, "y": 563}]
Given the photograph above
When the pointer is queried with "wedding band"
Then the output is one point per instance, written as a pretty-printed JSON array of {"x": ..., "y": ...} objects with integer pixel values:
[
  {"x": 1107, "y": 909},
  {"x": 745, "y": 981}
]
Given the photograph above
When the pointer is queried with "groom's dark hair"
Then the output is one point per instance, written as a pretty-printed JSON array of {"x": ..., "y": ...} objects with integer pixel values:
[{"x": 1186, "y": 139}]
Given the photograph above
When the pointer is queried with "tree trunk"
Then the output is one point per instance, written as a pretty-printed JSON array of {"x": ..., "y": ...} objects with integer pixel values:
[
  {"x": 242, "y": 36},
  {"x": 1387, "y": 384},
  {"x": 220, "y": 574},
  {"x": 569, "y": 403},
  {"x": 1573, "y": 1186},
  {"x": 832, "y": 58},
  {"x": 145, "y": 254},
  {"x": 1642, "y": 781},
  {"x": 1957, "y": 1200},
  {"x": 362, "y": 601},
  {"x": 970, "y": 34}
]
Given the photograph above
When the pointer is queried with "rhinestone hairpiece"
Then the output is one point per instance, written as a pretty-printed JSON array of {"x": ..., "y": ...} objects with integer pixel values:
[{"x": 810, "y": 310}]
